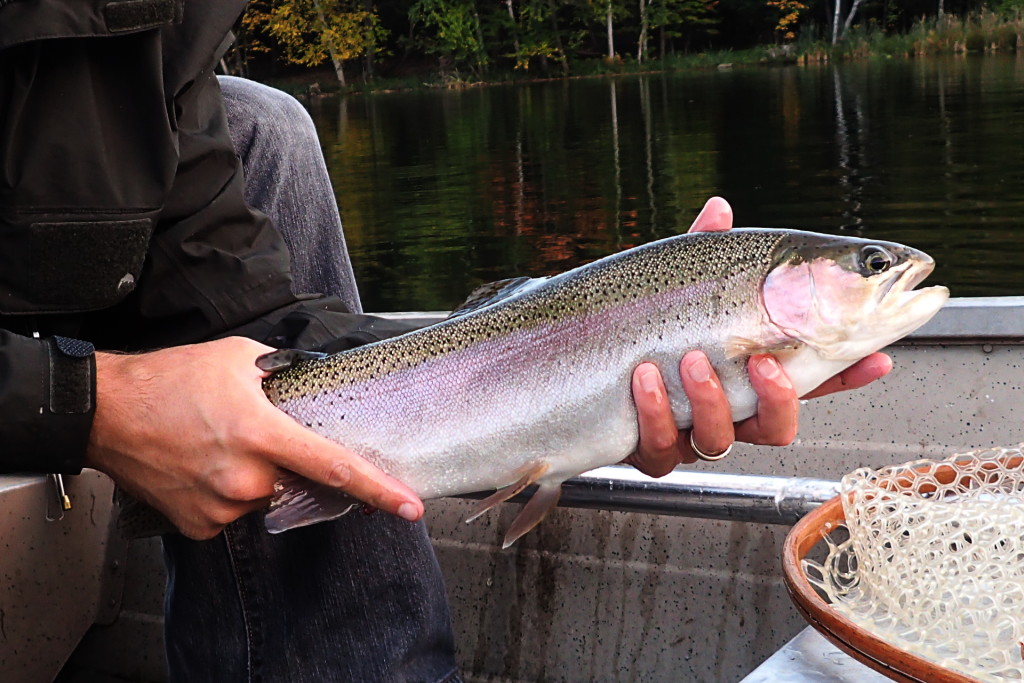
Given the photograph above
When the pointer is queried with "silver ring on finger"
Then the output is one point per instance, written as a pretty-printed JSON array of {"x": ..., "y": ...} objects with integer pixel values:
[{"x": 708, "y": 457}]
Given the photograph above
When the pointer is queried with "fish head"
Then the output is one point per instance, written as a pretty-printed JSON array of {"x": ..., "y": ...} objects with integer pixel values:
[{"x": 848, "y": 297}]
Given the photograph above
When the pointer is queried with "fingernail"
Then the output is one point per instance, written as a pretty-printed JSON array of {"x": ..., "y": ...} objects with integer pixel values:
[
  {"x": 649, "y": 381},
  {"x": 650, "y": 384},
  {"x": 408, "y": 511},
  {"x": 699, "y": 370},
  {"x": 770, "y": 369}
]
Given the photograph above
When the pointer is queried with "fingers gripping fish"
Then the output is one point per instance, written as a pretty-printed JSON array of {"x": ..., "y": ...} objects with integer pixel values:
[{"x": 532, "y": 386}]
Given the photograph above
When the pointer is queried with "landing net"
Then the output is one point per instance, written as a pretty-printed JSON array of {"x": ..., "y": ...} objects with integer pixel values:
[{"x": 934, "y": 560}]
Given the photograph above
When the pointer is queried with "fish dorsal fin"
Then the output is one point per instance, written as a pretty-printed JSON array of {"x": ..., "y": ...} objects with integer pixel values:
[
  {"x": 493, "y": 292},
  {"x": 533, "y": 512},
  {"x": 530, "y": 475}
]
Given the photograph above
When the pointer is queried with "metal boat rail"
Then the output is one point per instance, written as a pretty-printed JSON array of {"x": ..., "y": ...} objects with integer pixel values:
[{"x": 705, "y": 495}]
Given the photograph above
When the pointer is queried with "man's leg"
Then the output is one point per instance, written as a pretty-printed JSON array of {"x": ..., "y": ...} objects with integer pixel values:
[
  {"x": 286, "y": 178},
  {"x": 357, "y": 599}
]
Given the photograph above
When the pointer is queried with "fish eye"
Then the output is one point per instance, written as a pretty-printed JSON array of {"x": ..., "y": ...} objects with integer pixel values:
[{"x": 876, "y": 260}]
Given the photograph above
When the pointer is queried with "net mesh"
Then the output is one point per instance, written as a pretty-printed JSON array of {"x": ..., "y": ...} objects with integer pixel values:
[{"x": 931, "y": 560}]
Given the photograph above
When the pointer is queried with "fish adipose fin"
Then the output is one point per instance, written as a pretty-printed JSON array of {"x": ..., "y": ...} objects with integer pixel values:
[
  {"x": 531, "y": 475},
  {"x": 300, "y": 502},
  {"x": 493, "y": 292},
  {"x": 533, "y": 512}
]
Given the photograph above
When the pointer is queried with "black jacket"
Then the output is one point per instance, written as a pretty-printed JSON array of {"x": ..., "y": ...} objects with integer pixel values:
[{"x": 122, "y": 219}]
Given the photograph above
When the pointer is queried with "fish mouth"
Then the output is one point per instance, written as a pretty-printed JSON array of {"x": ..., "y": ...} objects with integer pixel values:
[
  {"x": 898, "y": 296},
  {"x": 921, "y": 269},
  {"x": 905, "y": 277}
]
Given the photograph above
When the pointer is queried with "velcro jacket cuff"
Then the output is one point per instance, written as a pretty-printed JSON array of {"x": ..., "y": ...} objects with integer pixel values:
[
  {"x": 47, "y": 396},
  {"x": 70, "y": 402}
]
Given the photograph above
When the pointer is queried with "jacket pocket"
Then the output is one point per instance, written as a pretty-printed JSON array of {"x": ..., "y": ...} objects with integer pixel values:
[{"x": 68, "y": 266}]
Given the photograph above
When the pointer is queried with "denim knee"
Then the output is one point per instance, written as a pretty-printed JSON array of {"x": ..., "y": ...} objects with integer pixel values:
[{"x": 275, "y": 115}]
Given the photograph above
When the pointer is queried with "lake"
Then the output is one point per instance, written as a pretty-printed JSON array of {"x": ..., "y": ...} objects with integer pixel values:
[{"x": 441, "y": 191}]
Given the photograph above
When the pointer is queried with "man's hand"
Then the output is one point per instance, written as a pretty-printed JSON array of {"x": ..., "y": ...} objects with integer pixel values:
[
  {"x": 189, "y": 431},
  {"x": 662, "y": 446}
]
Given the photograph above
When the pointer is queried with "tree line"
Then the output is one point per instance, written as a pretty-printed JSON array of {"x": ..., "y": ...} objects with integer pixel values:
[{"x": 470, "y": 39}]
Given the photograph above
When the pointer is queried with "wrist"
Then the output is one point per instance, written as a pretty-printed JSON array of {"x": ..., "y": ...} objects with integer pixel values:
[{"x": 111, "y": 385}]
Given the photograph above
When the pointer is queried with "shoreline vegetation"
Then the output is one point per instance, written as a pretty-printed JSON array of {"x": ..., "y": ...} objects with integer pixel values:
[{"x": 983, "y": 32}]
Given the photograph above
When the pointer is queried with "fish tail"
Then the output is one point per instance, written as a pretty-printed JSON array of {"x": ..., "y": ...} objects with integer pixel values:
[{"x": 299, "y": 502}]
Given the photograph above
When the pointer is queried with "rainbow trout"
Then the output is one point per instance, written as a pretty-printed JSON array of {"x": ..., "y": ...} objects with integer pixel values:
[{"x": 532, "y": 385}]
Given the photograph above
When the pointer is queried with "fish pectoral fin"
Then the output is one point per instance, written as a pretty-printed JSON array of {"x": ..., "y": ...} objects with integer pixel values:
[
  {"x": 282, "y": 359},
  {"x": 530, "y": 475},
  {"x": 741, "y": 346},
  {"x": 536, "y": 509},
  {"x": 300, "y": 502}
]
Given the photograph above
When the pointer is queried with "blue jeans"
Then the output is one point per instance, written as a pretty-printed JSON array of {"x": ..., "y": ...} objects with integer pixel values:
[{"x": 358, "y": 599}]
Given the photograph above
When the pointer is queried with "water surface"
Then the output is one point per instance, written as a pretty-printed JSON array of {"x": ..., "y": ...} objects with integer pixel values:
[{"x": 441, "y": 191}]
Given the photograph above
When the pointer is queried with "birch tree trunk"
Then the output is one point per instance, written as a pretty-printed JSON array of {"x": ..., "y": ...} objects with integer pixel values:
[
  {"x": 835, "y": 21},
  {"x": 611, "y": 39},
  {"x": 339, "y": 69},
  {"x": 515, "y": 25},
  {"x": 849, "y": 17},
  {"x": 641, "y": 46}
]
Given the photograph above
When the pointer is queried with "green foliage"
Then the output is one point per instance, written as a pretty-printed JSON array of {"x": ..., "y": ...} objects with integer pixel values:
[
  {"x": 451, "y": 30},
  {"x": 595, "y": 12},
  {"x": 678, "y": 16},
  {"x": 1013, "y": 9}
]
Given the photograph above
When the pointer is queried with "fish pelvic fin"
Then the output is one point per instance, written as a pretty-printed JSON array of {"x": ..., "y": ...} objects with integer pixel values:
[
  {"x": 530, "y": 475},
  {"x": 299, "y": 502},
  {"x": 533, "y": 512}
]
